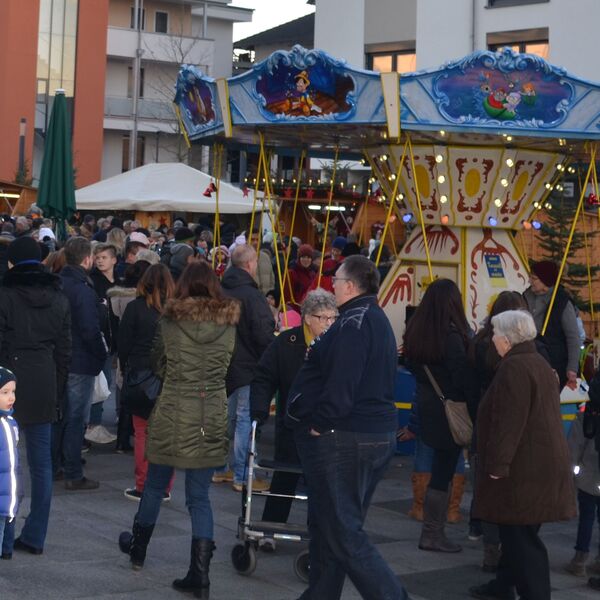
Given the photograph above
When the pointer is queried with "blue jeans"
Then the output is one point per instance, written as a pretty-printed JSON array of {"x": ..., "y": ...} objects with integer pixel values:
[
  {"x": 240, "y": 426},
  {"x": 197, "y": 482},
  {"x": 3, "y": 521},
  {"x": 342, "y": 470},
  {"x": 97, "y": 409},
  {"x": 424, "y": 459},
  {"x": 77, "y": 407},
  {"x": 39, "y": 457},
  {"x": 589, "y": 510}
]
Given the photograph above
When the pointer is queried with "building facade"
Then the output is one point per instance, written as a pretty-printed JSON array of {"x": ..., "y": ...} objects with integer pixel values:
[
  {"x": 87, "y": 48},
  {"x": 405, "y": 35}
]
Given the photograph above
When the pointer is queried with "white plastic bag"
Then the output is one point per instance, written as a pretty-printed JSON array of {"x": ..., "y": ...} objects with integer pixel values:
[{"x": 101, "y": 389}]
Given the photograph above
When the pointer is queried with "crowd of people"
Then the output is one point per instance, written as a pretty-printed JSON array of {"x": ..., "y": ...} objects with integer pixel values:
[{"x": 198, "y": 339}]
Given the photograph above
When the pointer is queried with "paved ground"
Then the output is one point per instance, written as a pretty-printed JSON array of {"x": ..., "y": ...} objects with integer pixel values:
[{"x": 81, "y": 558}]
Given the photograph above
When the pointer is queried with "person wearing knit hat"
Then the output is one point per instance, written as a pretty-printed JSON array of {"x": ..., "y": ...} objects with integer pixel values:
[
  {"x": 561, "y": 338},
  {"x": 24, "y": 250},
  {"x": 9, "y": 455},
  {"x": 183, "y": 235},
  {"x": 300, "y": 277},
  {"x": 34, "y": 314}
]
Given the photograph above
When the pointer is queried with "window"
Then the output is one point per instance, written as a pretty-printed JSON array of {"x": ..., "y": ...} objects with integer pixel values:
[
  {"x": 130, "y": 82},
  {"x": 142, "y": 18},
  {"x": 501, "y": 3},
  {"x": 539, "y": 48},
  {"x": 401, "y": 61},
  {"x": 139, "y": 160},
  {"x": 161, "y": 22}
]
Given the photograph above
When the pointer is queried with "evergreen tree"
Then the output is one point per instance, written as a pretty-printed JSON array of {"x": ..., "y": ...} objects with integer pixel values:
[{"x": 553, "y": 237}]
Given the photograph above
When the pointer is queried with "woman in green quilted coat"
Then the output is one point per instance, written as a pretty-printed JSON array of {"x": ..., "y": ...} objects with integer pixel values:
[{"x": 188, "y": 425}]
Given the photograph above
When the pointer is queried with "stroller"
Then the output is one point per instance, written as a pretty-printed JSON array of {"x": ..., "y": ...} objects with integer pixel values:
[{"x": 244, "y": 554}]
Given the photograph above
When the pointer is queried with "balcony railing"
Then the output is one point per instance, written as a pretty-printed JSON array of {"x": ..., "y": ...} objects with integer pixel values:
[
  {"x": 160, "y": 47},
  {"x": 159, "y": 110}
]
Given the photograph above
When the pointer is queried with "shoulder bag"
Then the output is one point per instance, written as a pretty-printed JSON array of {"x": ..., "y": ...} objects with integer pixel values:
[{"x": 459, "y": 421}]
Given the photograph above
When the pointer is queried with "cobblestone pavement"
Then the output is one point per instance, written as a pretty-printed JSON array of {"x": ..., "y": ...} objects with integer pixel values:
[{"x": 81, "y": 558}]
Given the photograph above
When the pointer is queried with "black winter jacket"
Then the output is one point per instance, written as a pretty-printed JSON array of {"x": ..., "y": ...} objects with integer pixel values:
[
  {"x": 347, "y": 380},
  {"x": 137, "y": 330},
  {"x": 275, "y": 372},
  {"x": 457, "y": 380},
  {"x": 35, "y": 340},
  {"x": 87, "y": 318},
  {"x": 254, "y": 331}
]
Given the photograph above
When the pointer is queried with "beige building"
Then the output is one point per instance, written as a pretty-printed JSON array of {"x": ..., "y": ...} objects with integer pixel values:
[{"x": 172, "y": 32}]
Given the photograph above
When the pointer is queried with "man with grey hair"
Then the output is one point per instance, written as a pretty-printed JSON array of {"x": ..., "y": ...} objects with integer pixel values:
[
  {"x": 341, "y": 407},
  {"x": 275, "y": 373},
  {"x": 254, "y": 333},
  {"x": 22, "y": 227}
]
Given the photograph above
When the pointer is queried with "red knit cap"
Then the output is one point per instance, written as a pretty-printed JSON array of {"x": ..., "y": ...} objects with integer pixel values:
[
  {"x": 547, "y": 271},
  {"x": 305, "y": 250}
]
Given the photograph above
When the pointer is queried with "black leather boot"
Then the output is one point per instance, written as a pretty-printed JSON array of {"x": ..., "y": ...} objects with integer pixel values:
[
  {"x": 433, "y": 537},
  {"x": 136, "y": 543},
  {"x": 196, "y": 579}
]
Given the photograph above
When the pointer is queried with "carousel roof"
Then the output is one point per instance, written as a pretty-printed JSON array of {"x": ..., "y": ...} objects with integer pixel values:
[{"x": 306, "y": 99}]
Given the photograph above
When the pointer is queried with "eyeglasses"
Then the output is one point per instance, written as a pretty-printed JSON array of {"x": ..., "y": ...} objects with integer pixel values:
[
  {"x": 325, "y": 318},
  {"x": 336, "y": 279}
]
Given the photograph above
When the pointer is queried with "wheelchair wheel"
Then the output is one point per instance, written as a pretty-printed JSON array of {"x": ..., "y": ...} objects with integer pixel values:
[
  {"x": 302, "y": 565},
  {"x": 243, "y": 558}
]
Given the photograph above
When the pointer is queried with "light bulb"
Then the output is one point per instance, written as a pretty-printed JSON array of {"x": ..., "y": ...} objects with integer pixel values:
[
  {"x": 443, "y": 199},
  {"x": 577, "y": 470},
  {"x": 536, "y": 224},
  {"x": 441, "y": 179},
  {"x": 498, "y": 202},
  {"x": 445, "y": 219},
  {"x": 510, "y": 162},
  {"x": 439, "y": 158},
  {"x": 548, "y": 186},
  {"x": 504, "y": 182},
  {"x": 407, "y": 218},
  {"x": 536, "y": 205},
  {"x": 493, "y": 221},
  {"x": 442, "y": 132}
]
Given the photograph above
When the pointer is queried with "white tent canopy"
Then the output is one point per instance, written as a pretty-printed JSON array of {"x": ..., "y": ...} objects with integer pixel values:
[{"x": 163, "y": 187}]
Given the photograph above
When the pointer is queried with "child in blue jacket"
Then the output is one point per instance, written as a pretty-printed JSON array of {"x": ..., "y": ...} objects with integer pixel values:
[{"x": 9, "y": 457}]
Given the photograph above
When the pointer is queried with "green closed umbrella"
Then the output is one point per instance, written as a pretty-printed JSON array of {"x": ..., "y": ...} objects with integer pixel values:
[{"x": 56, "y": 192}]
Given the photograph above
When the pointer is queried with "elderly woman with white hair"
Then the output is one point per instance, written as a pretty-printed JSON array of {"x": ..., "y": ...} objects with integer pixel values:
[
  {"x": 275, "y": 373},
  {"x": 524, "y": 475}
]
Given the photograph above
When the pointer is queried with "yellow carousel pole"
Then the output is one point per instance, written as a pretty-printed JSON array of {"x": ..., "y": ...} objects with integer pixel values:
[
  {"x": 289, "y": 250},
  {"x": 258, "y": 170},
  {"x": 568, "y": 247},
  {"x": 216, "y": 175},
  {"x": 418, "y": 202},
  {"x": 391, "y": 207},
  {"x": 589, "y": 273},
  {"x": 333, "y": 173},
  {"x": 268, "y": 196}
]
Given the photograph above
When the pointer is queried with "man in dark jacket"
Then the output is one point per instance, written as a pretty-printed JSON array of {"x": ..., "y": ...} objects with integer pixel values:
[
  {"x": 35, "y": 343},
  {"x": 342, "y": 409},
  {"x": 561, "y": 338},
  {"x": 254, "y": 333},
  {"x": 89, "y": 355}
]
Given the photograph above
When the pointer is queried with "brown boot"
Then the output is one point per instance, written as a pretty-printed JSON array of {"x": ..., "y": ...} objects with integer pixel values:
[
  {"x": 456, "y": 494},
  {"x": 420, "y": 481}
]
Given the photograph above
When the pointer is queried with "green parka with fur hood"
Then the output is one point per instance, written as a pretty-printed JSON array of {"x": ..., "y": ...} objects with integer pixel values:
[{"x": 192, "y": 350}]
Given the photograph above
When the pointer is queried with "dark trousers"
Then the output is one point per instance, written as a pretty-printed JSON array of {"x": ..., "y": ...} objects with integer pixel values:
[
  {"x": 342, "y": 470},
  {"x": 589, "y": 510},
  {"x": 277, "y": 510},
  {"x": 524, "y": 562},
  {"x": 443, "y": 467}
]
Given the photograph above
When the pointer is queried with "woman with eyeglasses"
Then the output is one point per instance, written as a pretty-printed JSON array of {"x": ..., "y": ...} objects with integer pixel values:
[{"x": 276, "y": 371}]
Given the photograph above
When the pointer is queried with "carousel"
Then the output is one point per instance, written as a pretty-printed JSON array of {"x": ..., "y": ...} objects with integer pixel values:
[{"x": 463, "y": 158}]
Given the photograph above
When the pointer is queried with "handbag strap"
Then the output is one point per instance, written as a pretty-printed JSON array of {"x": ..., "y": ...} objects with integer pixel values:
[{"x": 434, "y": 383}]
